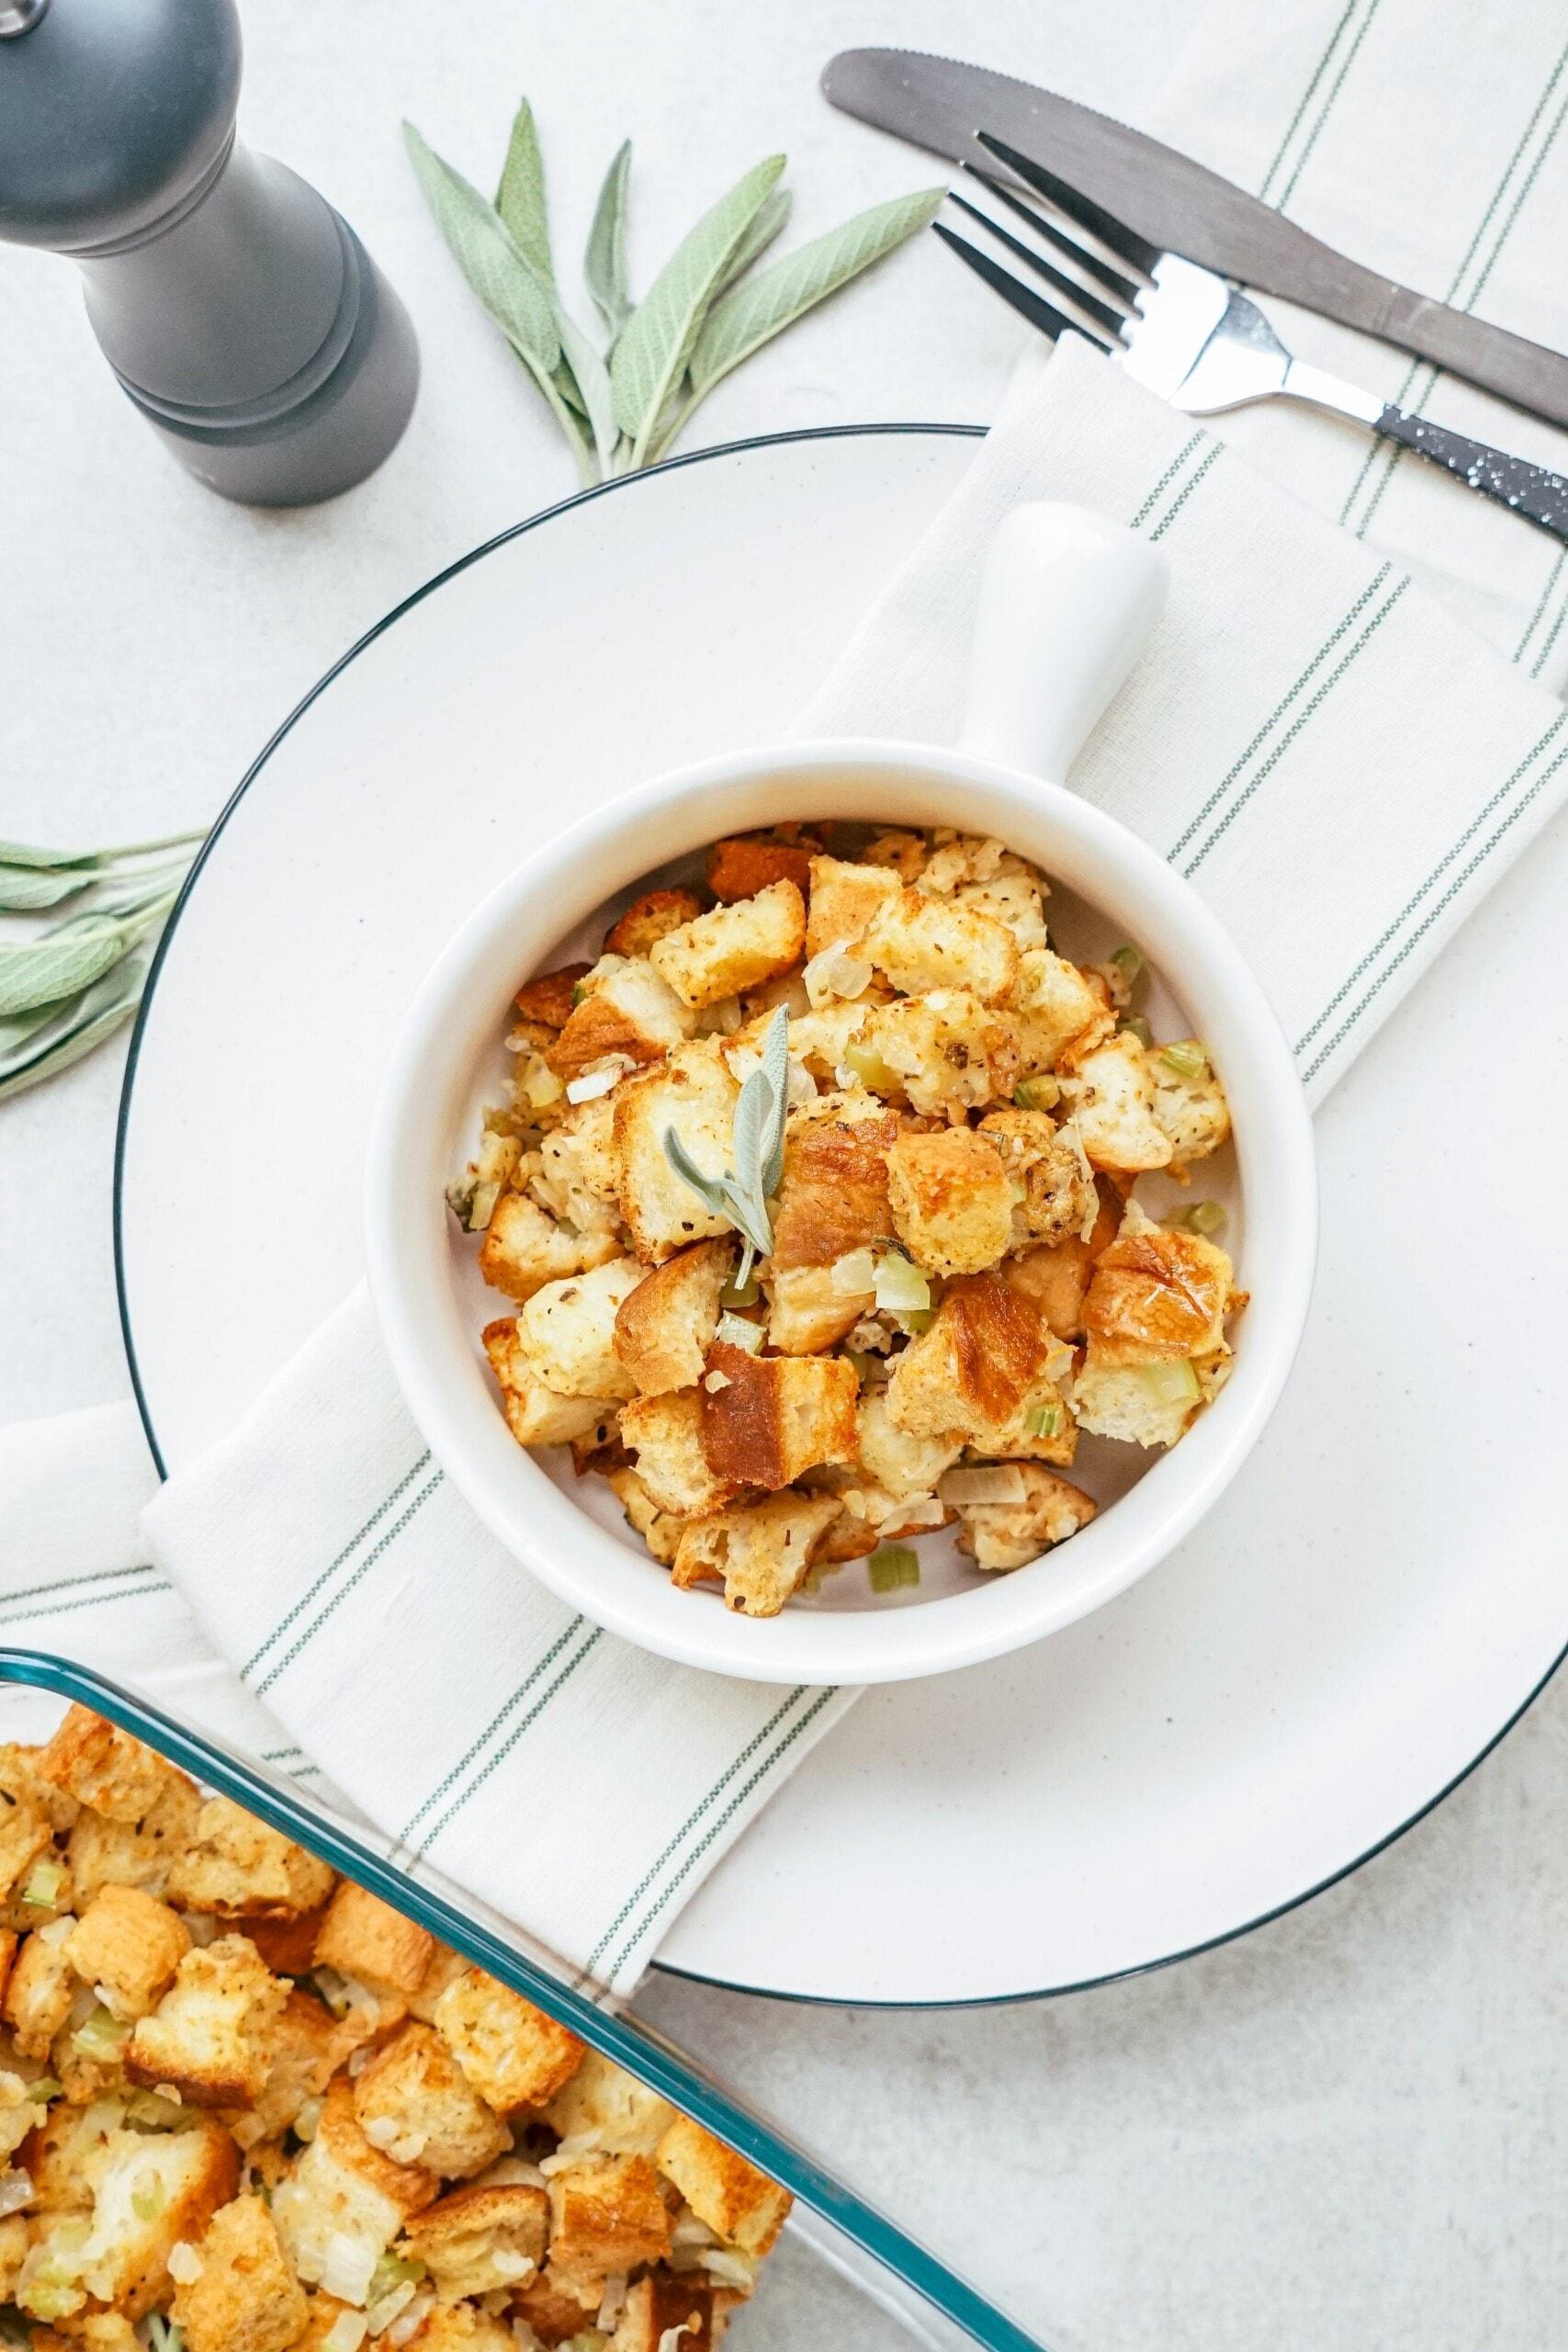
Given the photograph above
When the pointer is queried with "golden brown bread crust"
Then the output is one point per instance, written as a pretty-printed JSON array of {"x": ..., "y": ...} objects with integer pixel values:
[
  {"x": 289, "y": 1946},
  {"x": 738, "y": 868},
  {"x": 1057, "y": 1278},
  {"x": 548, "y": 998},
  {"x": 649, "y": 918},
  {"x": 999, "y": 1343},
  {"x": 833, "y": 1195},
  {"x": 664, "y": 1326},
  {"x": 1157, "y": 1293},
  {"x": 606, "y": 2213},
  {"x": 776, "y": 1415},
  {"x": 598, "y": 1028}
]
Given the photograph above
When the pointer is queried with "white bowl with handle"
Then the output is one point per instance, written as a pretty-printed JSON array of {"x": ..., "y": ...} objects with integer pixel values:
[{"x": 1067, "y": 605}]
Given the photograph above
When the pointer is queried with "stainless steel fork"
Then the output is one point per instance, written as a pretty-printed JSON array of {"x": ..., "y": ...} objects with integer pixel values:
[{"x": 1187, "y": 333}]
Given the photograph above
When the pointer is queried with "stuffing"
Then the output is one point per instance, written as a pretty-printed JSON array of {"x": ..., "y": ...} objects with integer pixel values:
[
  {"x": 951, "y": 1198},
  {"x": 20, "y": 1778},
  {"x": 133, "y": 1853},
  {"x": 919, "y": 943},
  {"x": 211, "y": 2035},
  {"x": 600, "y": 1448},
  {"x": 904, "y": 852},
  {"x": 955, "y": 860},
  {"x": 287, "y": 1946},
  {"x": 342, "y": 2201},
  {"x": 128, "y": 1945},
  {"x": 1111, "y": 1096},
  {"x": 1145, "y": 1404},
  {"x": 238, "y": 1868},
  {"x": 1057, "y": 1005},
  {"x": 535, "y": 1414},
  {"x": 152, "y": 2191},
  {"x": 900, "y": 1463},
  {"x": 650, "y": 919},
  {"x": 524, "y": 1248},
  {"x": 575, "y": 1177},
  {"x": 733, "y": 947},
  {"x": 546, "y": 1001},
  {"x": 25, "y": 1832},
  {"x": 1157, "y": 1294},
  {"x": 460, "y": 2328},
  {"x": 1009, "y": 1536},
  {"x": 1189, "y": 1105},
  {"x": 665, "y": 1436},
  {"x": 1057, "y": 1275},
  {"x": 513, "y": 2053},
  {"x": 625, "y": 2119},
  {"x": 100, "y": 1765},
  {"x": 1014, "y": 899},
  {"x": 414, "y": 2102},
  {"x": 741, "y": 2204},
  {"x": 774, "y": 1417},
  {"x": 1057, "y": 1191},
  {"x": 761, "y": 1553},
  {"x": 694, "y": 1092},
  {"x": 741, "y": 867},
  {"x": 557, "y": 2309},
  {"x": 245, "y": 2297},
  {"x": 820, "y": 1039},
  {"x": 833, "y": 1193},
  {"x": 304, "y": 2051},
  {"x": 623, "y": 1008},
  {"x": 945, "y": 1050},
  {"x": 567, "y": 1332},
  {"x": 660, "y": 2303},
  {"x": 809, "y": 1309},
  {"x": 40, "y": 1992},
  {"x": 845, "y": 900},
  {"x": 482, "y": 2238},
  {"x": 983, "y": 1372},
  {"x": 607, "y": 2214},
  {"x": 364, "y": 1937},
  {"x": 665, "y": 1324},
  {"x": 659, "y": 1529}
]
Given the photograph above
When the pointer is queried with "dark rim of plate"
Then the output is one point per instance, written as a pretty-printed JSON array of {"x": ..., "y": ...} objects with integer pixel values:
[{"x": 474, "y": 555}]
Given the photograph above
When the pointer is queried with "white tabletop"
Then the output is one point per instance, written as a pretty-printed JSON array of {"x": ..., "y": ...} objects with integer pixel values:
[{"x": 1338, "y": 2133}]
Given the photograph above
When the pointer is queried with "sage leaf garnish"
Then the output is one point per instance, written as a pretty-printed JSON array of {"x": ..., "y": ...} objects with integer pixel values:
[
  {"x": 743, "y": 1195},
  {"x": 95, "y": 1016},
  {"x": 604, "y": 263},
  {"x": 768, "y": 220},
  {"x": 26, "y": 889},
  {"x": 520, "y": 198}
]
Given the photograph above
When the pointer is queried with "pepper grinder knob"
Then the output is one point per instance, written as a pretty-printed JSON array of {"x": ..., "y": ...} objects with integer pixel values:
[{"x": 239, "y": 310}]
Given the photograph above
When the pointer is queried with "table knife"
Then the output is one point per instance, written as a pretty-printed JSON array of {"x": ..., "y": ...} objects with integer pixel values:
[{"x": 938, "y": 102}]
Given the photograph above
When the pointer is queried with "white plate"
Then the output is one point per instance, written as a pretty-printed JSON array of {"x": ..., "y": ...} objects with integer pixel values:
[{"x": 1381, "y": 1591}]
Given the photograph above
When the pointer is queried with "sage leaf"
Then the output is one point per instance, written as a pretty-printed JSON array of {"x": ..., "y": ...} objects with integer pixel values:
[
  {"x": 520, "y": 198},
  {"x": 99, "y": 1013},
  {"x": 23, "y": 1025},
  {"x": 34, "y": 971},
  {"x": 20, "y": 854},
  {"x": 24, "y": 888},
  {"x": 591, "y": 379},
  {"x": 753, "y": 312},
  {"x": 775, "y": 1071},
  {"x": 604, "y": 263},
  {"x": 657, "y": 340},
  {"x": 771, "y": 218}
]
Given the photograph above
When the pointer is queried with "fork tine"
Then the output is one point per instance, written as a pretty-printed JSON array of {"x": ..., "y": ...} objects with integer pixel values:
[
  {"x": 1100, "y": 312},
  {"x": 1092, "y": 217},
  {"x": 1121, "y": 289},
  {"x": 1023, "y": 298}
]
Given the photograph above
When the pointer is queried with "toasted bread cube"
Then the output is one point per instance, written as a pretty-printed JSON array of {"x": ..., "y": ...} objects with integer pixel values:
[
  {"x": 833, "y": 1193},
  {"x": 624, "y": 1009},
  {"x": 665, "y": 1436},
  {"x": 904, "y": 852},
  {"x": 344, "y": 2202},
  {"x": 900, "y": 1463},
  {"x": 304, "y": 2052},
  {"x": 212, "y": 2034},
  {"x": 13, "y": 2253},
  {"x": 919, "y": 943},
  {"x": 25, "y": 1832},
  {"x": 482, "y": 2238},
  {"x": 650, "y": 919},
  {"x": 955, "y": 860},
  {"x": 364, "y": 1937},
  {"x": 246, "y": 2298},
  {"x": 180, "y": 2179},
  {"x": 663, "y": 2300},
  {"x": 1013, "y": 900},
  {"x": 1110, "y": 1096},
  {"x": 1130, "y": 1401},
  {"x": 664, "y": 1326},
  {"x": 535, "y": 1415},
  {"x": 287, "y": 1946},
  {"x": 9, "y": 1942},
  {"x": 576, "y": 1174},
  {"x": 38, "y": 1996},
  {"x": 1057, "y": 1005},
  {"x": 129, "y": 1945},
  {"x": 1157, "y": 1294},
  {"x": 947, "y": 1051},
  {"x": 734, "y": 948},
  {"x": 739, "y": 2203},
  {"x": 466, "y": 2327},
  {"x": 1056, "y": 1276},
  {"x": 546, "y": 999},
  {"x": 740, "y": 867},
  {"x": 20, "y": 1778},
  {"x": 985, "y": 1365},
  {"x": 952, "y": 1199},
  {"x": 99, "y": 1764},
  {"x": 660, "y": 1531},
  {"x": 694, "y": 1093},
  {"x": 1192, "y": 1112},
  {"x": 606, "y": 2214},
  {"x": 775, "y": 1416},
  {"x": 759, "y": 1552},
  {"x": 1009, "y": 1536},
  {"x": 513, "y": 2053},
  {"x": 807, "y": 1311},
  {"x": 238, "y": 1868},
  {"x": 524, "y": 1249},
  {"x": 625, "y": 2119},
  {"x": 134, "y": 1853},
  {"x": 845, "y": 900},
  {"x": 414, "y": 2101},
  {"x": 1053, "y": 1189},
  {"x": 566, "y": 1331}
]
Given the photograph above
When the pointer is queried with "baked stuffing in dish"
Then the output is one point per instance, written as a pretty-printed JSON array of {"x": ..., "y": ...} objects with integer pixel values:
[
  {"x": 815, "y": 1195},
  {"x": 246, "y": 2107}
]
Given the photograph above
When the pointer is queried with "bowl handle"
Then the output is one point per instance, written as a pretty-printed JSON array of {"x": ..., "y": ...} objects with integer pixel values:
[{"x": 1067, "y": 600}]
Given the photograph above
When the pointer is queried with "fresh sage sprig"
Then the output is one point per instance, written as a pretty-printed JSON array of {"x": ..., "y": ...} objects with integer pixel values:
[
  {"x": 742, "y": 1194},
  {"x": 66, "y": 986},
  {"x": 622, "y": 404}
]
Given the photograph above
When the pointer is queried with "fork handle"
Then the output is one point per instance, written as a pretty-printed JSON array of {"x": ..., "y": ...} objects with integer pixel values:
[{"x": 1531, "y": 491}]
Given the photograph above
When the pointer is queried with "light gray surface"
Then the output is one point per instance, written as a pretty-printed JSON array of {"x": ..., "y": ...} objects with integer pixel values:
[{"x": 1340, "y": 2133}]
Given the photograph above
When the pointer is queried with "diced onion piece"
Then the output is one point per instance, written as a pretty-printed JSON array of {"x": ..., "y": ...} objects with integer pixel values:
[
  {"x": 1170, "y": 1383},
  {"x": 56, "y": 1930},
  {"x": 724, "y": 2266},
  {"x": 100, "y": 2036},
  {"x": 309, "y": 2118},
  {"x": 185, "y": 2266},
  {"x": 611, "y": 2300},
  {"x": 541, "y": 1087},
  {"x": 889, "y": 1567},
  {"x": 672, "y": 2339},
  {"x": 1001, "y": 1482},
  {"x": 482, "y": 1208},
  {"x": 599, "y": 1079},
  {"x": 348, "y": 2269},
  {"x": 1187, "y": 1059},
  {"x": 899, "y": 1284},
  {"x": 723, "y": 1019},
  {"x": 922, "y": 1510},
  {"x": 864, "y": 1063},
  {"x": 852, "y": 1274},
  {"x": 835, "y": 973},
  {"x": 16, "y": 2191},
  {"x": 734, "y": 1332},
  {"x": 379, "y": 2315},
  {"x": 1136, "y": 1027},
  {"x": 148, "y": 2203},
  {"x": 347, "y": 2331},
  {"x": 714, "y": 1381}
]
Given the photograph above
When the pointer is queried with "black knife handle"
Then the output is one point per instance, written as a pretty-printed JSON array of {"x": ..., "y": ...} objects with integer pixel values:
[{"x": 1531, "y": 491}]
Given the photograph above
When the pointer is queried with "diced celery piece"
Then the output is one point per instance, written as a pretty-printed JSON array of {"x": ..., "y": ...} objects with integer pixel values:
[
  {"x": 892, "y": 1566},
  {"x": 44, "y": 1884},
  {"x": 100, "y": 2036},
  {"x": 744, "y": 1294},
  {"x": 1128, "y": 962},
  {"x": 1187, "y": 1059},
  {"x": 1044, "y": 1421},
  {"x": 1206, "y": 1218},
  {"x": 1170, "y": 1383},
  {"x": 1138, "y": 1027},
  {"x": 1040, "y": 1093},
  {"x": 916, "y": 1319}
]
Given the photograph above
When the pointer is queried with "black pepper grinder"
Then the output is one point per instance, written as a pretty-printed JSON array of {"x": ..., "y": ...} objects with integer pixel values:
[{"x": 240, "y": 314}]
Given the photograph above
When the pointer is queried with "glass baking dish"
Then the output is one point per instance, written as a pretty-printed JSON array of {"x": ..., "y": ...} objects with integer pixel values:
[{"x": 843, "y": 2274}]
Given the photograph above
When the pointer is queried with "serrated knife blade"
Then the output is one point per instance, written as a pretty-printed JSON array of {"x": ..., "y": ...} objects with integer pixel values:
[{"x": 939, "y": 104}]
